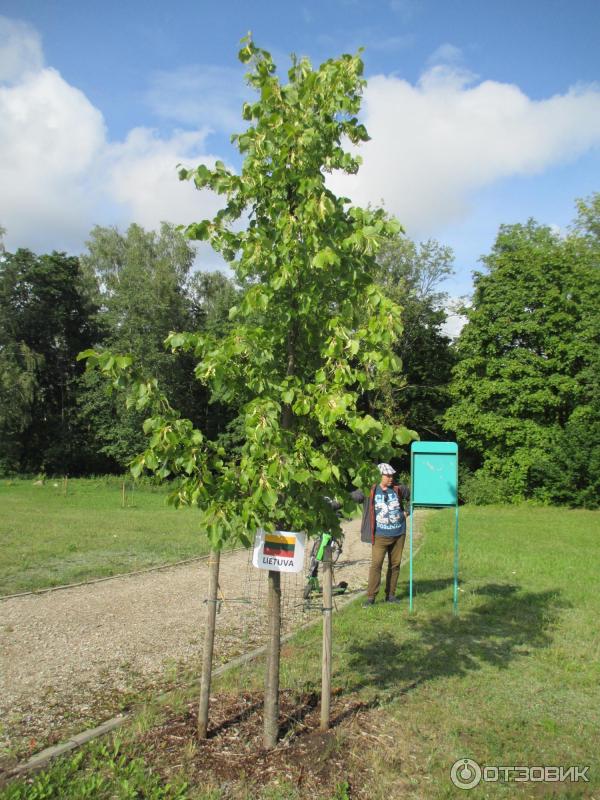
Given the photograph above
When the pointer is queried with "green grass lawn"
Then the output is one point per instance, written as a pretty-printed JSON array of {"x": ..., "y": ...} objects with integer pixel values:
[
  {"x": 49, "y": 538},
  {"x": 514, "y": 679}
]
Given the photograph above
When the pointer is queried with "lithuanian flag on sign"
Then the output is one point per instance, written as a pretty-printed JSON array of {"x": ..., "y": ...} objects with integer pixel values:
[{"x": 277, "y": 545}]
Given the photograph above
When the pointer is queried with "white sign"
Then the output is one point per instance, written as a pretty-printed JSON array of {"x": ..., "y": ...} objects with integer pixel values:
[{"x": 281, "y": 551}]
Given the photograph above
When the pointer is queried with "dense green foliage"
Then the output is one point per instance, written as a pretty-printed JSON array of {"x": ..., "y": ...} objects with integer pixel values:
[
  {"x": 120, "y": 280},
  {"x": 141, "y": 284},
  {"x": 127, "y": 291},
  {"x": 46, "y": 318},
  {"x": 526, "y": 387}
]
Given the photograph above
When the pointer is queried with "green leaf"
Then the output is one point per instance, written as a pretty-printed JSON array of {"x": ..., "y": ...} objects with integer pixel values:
[
  {"x": 202, "y": 175},
  {"x": 302, "y": 476},
  {"x": 325, "y": 474},
  {"x": 353, "y": 346},
  {"x": 136, "y": 468},
  {"x": 324, "y": 258},
  {"x": 86, "y": 354},
  {"x": 176, "y": 340},
  {"x": 405, "y": 436}
]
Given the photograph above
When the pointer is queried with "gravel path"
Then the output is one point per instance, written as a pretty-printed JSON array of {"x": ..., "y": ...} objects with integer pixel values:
[{"x": 71, "y": 658}]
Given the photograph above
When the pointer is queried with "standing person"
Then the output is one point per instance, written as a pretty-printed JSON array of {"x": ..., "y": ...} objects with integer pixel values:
[{"x": 384, "y": 525}]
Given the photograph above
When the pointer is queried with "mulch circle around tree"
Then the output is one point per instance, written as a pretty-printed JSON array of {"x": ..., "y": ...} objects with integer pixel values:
[{"x": 306, "y": 757}]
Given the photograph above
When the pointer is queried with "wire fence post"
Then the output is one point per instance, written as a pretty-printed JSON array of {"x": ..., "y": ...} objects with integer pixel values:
[
  {"x": 327, "y": 645},
  {"x": 271, "y": 720},
  {"x": 209, "y": 642}
]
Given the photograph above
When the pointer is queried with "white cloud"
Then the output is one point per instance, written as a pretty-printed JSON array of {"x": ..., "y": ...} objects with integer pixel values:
[
  {"x": 435, "y": 144},
  {"x": 20, "y": 49},
  {"x": 50, "y": 136},
  {"x": 143, "y": 177},
  {"x": 59, "y": 173}
]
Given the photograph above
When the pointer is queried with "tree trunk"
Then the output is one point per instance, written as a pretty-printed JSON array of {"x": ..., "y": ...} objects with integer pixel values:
[
  {"x": 209, "y": 642},
  {"x": 326, "y": 665},
  {"x": 271, "y": 723}
]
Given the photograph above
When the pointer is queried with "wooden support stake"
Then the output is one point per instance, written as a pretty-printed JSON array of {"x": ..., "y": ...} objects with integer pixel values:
[
  {"x": 271, "y": 721},
  {"x": 209, "y": 642},
  {"x": 123, "y": 495},
  {"x": 327, "y": 650}
]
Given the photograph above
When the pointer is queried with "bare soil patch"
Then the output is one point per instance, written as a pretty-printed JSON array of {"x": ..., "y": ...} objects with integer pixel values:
[{"x": 317, "y": 763}]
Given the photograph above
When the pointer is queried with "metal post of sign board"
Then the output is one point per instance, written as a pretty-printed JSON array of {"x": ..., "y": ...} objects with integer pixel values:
[
  {"x": 434, "y": 484},
  {"x": 410, "y": 559},
  {"x": 455, "y": 596}
]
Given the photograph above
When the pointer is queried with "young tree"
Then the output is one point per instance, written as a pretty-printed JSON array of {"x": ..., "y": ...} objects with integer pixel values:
[{"x": 310, "y": 334}]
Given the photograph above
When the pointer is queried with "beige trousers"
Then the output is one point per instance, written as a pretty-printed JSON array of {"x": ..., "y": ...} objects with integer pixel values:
[{"x": 393, "y": 547}]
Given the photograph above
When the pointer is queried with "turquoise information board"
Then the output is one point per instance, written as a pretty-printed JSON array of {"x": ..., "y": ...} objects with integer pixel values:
[
  {"x": 434, "y": 484},
  {"x": 434, "y": 473}
]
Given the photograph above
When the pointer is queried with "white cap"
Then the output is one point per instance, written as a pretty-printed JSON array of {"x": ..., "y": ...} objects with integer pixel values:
[{"x": 386, "y": 469}]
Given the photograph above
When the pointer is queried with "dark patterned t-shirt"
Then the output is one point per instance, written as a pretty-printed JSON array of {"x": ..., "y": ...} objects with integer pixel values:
[{"x": 389, "y": 517}]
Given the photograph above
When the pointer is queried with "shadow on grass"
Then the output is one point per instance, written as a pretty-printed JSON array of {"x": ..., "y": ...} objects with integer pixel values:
[
  {"x": 504, "y": 625},
  {"x": 425, "y": 586}
]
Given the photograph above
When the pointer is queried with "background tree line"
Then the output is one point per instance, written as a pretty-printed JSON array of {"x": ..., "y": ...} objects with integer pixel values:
[
  {"x": 127, "y": 292},
  {"x": 525, "y": 392},
  {"x": 519, "y": 389}
]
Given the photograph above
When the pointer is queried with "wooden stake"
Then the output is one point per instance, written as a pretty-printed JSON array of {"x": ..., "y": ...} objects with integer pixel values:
[
  {"x": 271, "y": 722},
  {"x": 209, "y": 642},
  {"x": 123, "y": 495},
  {"x": 326, "y": 662}
]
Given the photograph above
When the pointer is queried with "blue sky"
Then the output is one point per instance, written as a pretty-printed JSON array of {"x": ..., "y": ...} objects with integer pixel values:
[{"x": 481, "y": 112}]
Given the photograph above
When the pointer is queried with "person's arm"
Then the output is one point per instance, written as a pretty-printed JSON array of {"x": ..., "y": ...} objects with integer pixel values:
[{"x": 404, "y": 495}]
